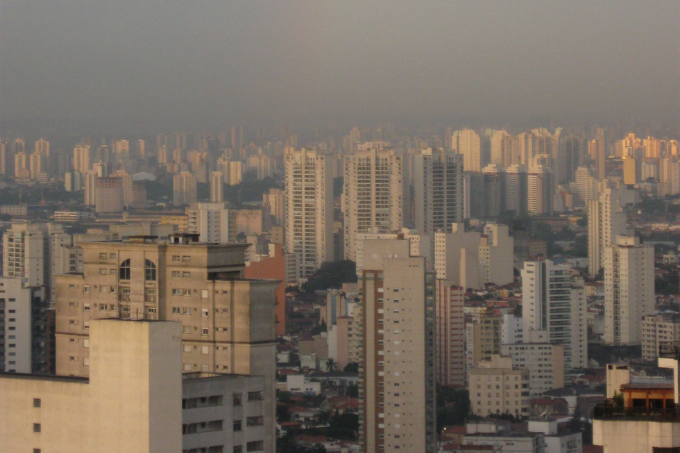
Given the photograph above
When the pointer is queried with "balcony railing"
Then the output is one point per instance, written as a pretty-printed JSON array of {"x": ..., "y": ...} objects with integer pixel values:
[
  {"x": 669, "y": 350},
  {"x": 609, "y": 411}
]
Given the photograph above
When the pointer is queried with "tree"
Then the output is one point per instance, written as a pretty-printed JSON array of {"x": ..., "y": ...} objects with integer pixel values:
[
  {"x": 331, "y": 365},
  {"x": 343, "y": 426},
  {"x": 331, "y": 275},
  {"x": 351, "y": 367}
]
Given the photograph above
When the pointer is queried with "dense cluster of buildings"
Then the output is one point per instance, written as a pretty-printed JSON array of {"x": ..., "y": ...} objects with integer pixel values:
[{"x": 451, "y": 292}]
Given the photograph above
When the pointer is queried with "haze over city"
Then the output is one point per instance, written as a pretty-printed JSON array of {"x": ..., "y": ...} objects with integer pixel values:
[
  {"x": 154, "y": 65},
  {"x": 340, "y": 226}
]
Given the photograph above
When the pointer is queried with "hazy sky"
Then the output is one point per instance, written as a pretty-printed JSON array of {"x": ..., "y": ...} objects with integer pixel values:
[{"x": 309, "y": 62}]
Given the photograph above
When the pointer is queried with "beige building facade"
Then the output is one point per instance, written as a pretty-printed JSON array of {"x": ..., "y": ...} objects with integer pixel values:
[{"x": 228, "y": 323}]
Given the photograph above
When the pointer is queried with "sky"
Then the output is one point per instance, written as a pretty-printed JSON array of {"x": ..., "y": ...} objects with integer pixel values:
[{"x": 179, "y": 63}]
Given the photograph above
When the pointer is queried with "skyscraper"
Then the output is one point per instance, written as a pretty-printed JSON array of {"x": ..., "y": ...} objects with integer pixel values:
[
  {"x": 554, "y": 305},
  {"x": 450, "y": 337},
  {"x": 516, "y": 189},
  {"x": 373, "y": 193},
  {"x": 397, "y": 406},
  {"x": 210, "y": 221},
  {"x": 81, "y": 158},
  {"x": 309, "y": 209},
  {"x": 467, "y": 143},
  {"x": 628, "y": 289},
  {"x": 493, "y": 177},
  {"x": 183, "y": 189},
  {"x": 438, "y": 183},
  {"x": 216, "y": 187},
  {"x": 540, "y": 190},
  {"x": 606, "y": 220}
]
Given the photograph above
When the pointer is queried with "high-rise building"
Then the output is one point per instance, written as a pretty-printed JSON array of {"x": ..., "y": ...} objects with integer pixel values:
[
  {"x": 467, "y": 143},
  {"x": 397, "y": 396},
  {"x": 109, "y": 195},
  {"x": 373, "y": 197},
  {"x": 450, "y": 335},
  {"x": 210, "y": 221},
  {"x": 42, "y": 146},
  {"x": 126, "y": 184},
  {"x": 309, "y": 209},
  {"x": 658, "y": 329},
  {"x": 606, "y": 220},
  {"x": 544, "y": 361},
  {"x": 184, "y": 189},
  {"x": 33, "y": 251},
  {"x": 497, "y": 388},
  {"x": 495, "y": 252},
  {"x": 275, "y": 202},
  {"x": 493, "y": 177},
  {"x": 483, "y": 337},
  {"x": 540, "y": 190},
  {"x": 628, "y": 289},
  {"x": 466, "y": 257},
  {"x": 21, "y": 166},
  {"x": 25, "y": 329},
  {"x": 438, "y": 183},
  {"x": 554, "y": 310},
  {"x": 272, "y": 267},
  {"x": 228, "y": 322},
  {"x": 516, "y": 189},
  {"x": 90, "y": 192},
  {"x": 216, "y": 187}
]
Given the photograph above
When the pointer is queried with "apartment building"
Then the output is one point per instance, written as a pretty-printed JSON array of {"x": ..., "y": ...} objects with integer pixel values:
[
  {"x": 228, "y": 322},
  {"x": 544, "y": 361},
  {"x": 450, "y": 334},
  {"x": 374, "y": 193},
  {"x": 554, "y": 309},
  {"x": 308, "y": 209},
  {"x": 482, "y": 338},
  {"x": 628, "y": 289},
  {"x": 498, "y": 388},
  {"x": 397, "y": 394},
  {"x": 606, "y": 221},
  {"x": 26, "y": 327},
  {"x": 438, "y": 184},
  {"x": 658, "y": 329}
]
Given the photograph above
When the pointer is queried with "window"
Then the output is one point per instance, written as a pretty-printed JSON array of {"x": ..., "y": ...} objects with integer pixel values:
[
  {"x": 176, "y": 273},
  {"x": 205, "y": 331},
  {"x": 237, "y": 399},
  {"x": 258, "y": 445},
  {"x": 103, "y": 256},
  {"x": 255, "y": 421},
  {"x": 86, "y": 343},
  {"x": 238, "y": 449},
  {"x": 86, "y": 289},
  {"x": 186, "y": 329},
  {"x": 36, "y": 450},
  {"x": 149, "y": 271},
  {"x": 86, "y": 307},
  {"x": 175, "y": 257},
  {"x": 205, "y": 350},
  {"x": 186, "y": 274},
  {"x": 237, "y": 425},
  {"x": 124, "y": 271},
  {"x": 112, "y": 255},
  {"x": 36, "y": 427},
  {"x": 255, "y": 396},
  {"x": 36, "y": 402},
  {"x": 204, "y": 312},
  {"x": 186, "y": 259},
  {"x": 103, "y": 271}
]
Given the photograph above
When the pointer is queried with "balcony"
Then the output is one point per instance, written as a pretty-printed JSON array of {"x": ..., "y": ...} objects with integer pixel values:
[{"x": 609, "y": 411}]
